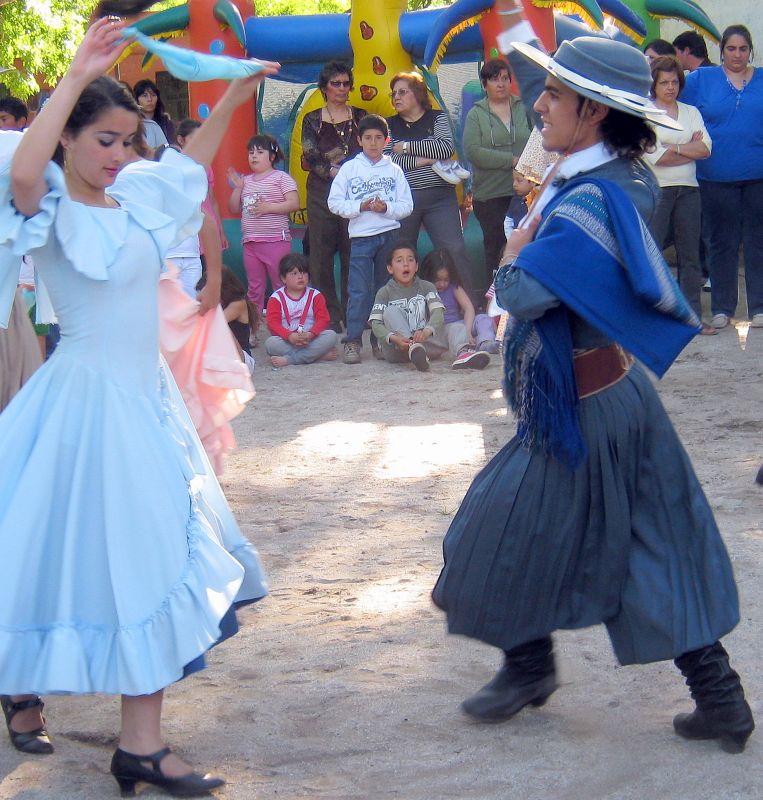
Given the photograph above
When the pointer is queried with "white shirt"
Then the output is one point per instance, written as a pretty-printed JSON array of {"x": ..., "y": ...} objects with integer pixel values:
[
  {"x": 681, "y": 174},
  {"x": 582, "y": 161}
]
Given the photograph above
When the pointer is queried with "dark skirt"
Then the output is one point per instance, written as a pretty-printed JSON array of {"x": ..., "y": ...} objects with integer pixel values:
[{"x": 627, "y": 539}]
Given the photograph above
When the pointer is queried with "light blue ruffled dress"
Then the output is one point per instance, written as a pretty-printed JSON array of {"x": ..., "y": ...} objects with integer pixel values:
[{"x": 120, "y": 555}]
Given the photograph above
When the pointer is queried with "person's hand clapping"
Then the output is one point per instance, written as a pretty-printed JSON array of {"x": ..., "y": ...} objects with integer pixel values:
[{"x": 235, "y": 178}]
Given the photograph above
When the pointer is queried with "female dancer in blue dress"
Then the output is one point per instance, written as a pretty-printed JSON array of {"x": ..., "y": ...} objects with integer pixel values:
[
  {"x": 592, "y": 513},
  {"x": 122, "y": 560}
]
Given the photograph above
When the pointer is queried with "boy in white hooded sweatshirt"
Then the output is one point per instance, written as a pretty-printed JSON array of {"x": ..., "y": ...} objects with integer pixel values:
[{"x": 372, "y": 192}]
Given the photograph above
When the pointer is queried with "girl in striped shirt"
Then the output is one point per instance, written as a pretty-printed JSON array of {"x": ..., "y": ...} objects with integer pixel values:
[{"x": 264, "y": 198}]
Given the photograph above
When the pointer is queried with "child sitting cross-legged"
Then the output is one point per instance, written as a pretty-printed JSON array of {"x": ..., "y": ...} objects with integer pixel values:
[
  {"x": 459, "y": 328},
  {"x": 407, "y": 312},
  {"x": 298, "y": 318}
]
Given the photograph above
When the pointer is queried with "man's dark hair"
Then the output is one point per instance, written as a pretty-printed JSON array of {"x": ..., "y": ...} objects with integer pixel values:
[
  {"x": 693, "y": 41},
  {"x": 661, "y": 47},
  {"x": 625, "y": 135},
  {"x": 373, "y": 122},
  {"x": 14, "y": 107}
]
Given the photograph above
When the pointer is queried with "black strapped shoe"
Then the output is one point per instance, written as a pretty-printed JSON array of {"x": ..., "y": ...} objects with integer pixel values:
[
  {"x": 36, "y": 742},
  {"x": 129, "y": 769}
]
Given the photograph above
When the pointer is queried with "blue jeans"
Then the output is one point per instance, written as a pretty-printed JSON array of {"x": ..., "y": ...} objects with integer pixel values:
[
  {"x": 733, "y": 214},
  {"x": 437, "y": 210},
  {"x": 368, "y": 273}
]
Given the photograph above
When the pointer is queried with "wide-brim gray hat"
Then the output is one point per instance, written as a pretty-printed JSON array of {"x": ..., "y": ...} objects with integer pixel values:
[{"x": 609, "y": 72}]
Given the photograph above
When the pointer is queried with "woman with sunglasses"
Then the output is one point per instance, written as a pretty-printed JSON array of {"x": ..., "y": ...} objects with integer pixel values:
[
  {"x": 495, "y": 133},
  {"x": 329, "y": 138},
  {"x": 420, "y": 136}
]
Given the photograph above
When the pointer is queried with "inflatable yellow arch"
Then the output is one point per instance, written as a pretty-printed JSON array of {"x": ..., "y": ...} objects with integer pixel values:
[{"x": 379, "y": 54}]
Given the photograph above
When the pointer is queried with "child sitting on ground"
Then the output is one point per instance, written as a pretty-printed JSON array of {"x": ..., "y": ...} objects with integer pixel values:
[
  {"x": 372, "y": 192},
  {"x": 298, "y": 318},
  {"x": 407, "y": 313},
  {"x": 459, "y": 328}
]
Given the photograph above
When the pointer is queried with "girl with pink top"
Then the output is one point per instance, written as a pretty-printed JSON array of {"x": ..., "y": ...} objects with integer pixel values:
[{"x": 264, "y": 198}]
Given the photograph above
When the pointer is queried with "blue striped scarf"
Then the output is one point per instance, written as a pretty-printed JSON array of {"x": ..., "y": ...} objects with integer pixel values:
[{"x": 594, "y": 252}]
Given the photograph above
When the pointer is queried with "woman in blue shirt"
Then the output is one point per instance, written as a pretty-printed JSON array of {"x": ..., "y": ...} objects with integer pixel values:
[{"x": 730, "y": 99}]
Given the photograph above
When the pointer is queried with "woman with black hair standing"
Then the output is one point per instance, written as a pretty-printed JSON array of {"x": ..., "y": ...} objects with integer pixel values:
[
  {"x": 730, "y": 99},
  {"x": 329, "y": 138},
  {"x": 150, "y": 101}
]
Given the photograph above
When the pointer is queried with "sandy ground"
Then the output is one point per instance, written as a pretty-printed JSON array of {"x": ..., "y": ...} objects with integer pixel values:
[{"x": 343, "y": 683}]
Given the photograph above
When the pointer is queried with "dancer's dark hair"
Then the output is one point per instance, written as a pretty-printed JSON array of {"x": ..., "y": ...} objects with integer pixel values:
[
  {"x": 122, "y": 8},
  {"x": 627, "y": 136},
  {"x": 101, "y": 95}
]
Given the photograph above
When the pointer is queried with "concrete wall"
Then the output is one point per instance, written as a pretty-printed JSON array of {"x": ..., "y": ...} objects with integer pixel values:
[{"x": 724, "y": 13}]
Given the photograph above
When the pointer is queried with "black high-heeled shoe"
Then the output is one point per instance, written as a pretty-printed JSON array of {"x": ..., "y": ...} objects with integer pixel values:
[
  {"x": 36, "y": 742},
  {"x": 129, "y": 769}
]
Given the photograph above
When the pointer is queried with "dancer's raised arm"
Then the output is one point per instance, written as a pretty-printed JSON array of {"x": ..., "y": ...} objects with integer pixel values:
[
  {"x": 206, "y": 140},
  {"x": 99, "y": 50}
]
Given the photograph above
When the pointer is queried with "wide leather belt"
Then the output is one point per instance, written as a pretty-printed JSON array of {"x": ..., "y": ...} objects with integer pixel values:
[{"x": 600, "y": 368}]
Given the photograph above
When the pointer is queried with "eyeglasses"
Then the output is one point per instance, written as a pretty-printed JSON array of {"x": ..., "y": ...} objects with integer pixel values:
[
  {"x": 399, "y": 93},
  {"x": 340, "y": 84}
]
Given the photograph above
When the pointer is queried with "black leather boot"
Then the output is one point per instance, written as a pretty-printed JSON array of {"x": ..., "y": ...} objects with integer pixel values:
[
  {"x": 722, "y": 712},
  {"x": 527, "y": 677}
]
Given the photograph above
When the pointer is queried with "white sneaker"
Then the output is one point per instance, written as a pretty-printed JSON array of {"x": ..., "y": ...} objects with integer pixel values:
[
  {"x": 756, "y": 321},
  {"x": 719, "y": 321},
  {"x": 445, "y": 170},
  {"x": 462, "y": 172}
]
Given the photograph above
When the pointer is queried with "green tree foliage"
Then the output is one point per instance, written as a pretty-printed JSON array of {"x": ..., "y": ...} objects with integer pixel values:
[{"x": 38, "y": 39}]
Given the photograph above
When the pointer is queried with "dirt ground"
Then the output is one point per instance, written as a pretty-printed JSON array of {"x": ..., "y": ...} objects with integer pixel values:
[{"x": 343, "y": 683}]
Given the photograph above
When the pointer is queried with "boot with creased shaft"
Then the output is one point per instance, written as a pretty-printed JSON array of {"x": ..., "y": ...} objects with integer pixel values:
[
  {"x": 527, "y": 677},
  {"x": 722, "y": 712}
]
